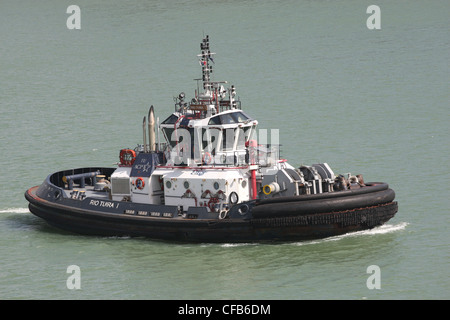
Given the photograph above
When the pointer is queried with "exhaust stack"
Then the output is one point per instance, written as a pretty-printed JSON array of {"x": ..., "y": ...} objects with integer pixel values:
[
  {"x": 151, "y": 130},
  {"x": 145, "y": 135}
]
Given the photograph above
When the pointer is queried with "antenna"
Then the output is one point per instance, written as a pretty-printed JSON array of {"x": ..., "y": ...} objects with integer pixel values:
[{"x": 205, "y": 58}]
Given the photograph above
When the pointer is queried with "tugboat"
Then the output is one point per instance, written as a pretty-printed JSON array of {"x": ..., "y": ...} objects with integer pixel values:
[{"x": 210, "y": 180}]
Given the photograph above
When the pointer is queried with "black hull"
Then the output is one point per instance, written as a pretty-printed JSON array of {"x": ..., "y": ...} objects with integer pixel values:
[{"x": 294, "y": 219}]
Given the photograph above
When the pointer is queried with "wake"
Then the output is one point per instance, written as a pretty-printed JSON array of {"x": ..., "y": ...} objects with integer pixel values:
[
  {"x": 384, "y": 229},
  {"x": 15, "y": 210}
]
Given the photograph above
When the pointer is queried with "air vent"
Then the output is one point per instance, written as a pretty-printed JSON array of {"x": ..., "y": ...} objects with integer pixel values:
[{"x": 120, "y": 186}]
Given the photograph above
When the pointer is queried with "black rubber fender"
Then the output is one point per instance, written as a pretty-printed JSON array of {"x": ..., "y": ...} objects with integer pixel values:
[
  {"x": 368, "y": 188},
  {"x": 322, "y": 204}
]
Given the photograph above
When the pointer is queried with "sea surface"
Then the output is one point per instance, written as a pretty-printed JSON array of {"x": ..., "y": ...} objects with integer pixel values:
[{"x": 366, "y": 101}]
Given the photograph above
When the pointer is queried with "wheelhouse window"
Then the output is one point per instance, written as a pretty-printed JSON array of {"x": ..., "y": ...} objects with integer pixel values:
[
  {"x": 240, "y": 117},
  {"x": 171, "y": 119},
  {"x": 229, "y": 118},
  {"x": 214, "y": 120}
]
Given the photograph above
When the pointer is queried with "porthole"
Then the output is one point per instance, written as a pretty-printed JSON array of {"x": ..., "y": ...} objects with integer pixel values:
[
  {"x": 216, "y": 185},
  {"x": 168, "y": 184},
  {"x": 244, "y": 183},
  {"x": 186, "y": 184}
]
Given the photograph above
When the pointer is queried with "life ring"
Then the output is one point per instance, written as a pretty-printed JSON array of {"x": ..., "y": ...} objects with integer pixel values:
[
  {"x": 207, "y": 158},
  {"x": 127, "y": 157},
  {"x": 212, "y": 203},
  {"x": 139, "y": 183}
]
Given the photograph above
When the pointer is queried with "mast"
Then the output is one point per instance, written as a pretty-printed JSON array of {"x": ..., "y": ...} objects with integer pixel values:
[
  {"x": 205, "y": 57},
  {"x": 213, "y": 91}
]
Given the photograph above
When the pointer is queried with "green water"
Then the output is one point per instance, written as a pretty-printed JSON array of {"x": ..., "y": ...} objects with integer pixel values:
[{"x": 365, "y": 101}]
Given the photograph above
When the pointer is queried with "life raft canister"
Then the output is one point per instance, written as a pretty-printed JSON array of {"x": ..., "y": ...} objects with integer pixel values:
[{"x": 127, "y": 157}]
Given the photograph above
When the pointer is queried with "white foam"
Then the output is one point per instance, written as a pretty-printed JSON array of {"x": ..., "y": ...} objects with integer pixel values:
[
  {"x": 118, "y": 237},
  {"x": 384, "y": 229},
  {"x": 230, "y": 245},
  {"x": 15, "y": 210},
  {"x": 387, "y": 228}
]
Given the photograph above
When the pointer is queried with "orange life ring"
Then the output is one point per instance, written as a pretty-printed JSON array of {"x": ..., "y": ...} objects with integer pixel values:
[
  {"x": 212, "y": 203},
  {"x": 127, "y": 157},
  {"x": 139, "y": 183},
  {"x": 207, "y": 159}
]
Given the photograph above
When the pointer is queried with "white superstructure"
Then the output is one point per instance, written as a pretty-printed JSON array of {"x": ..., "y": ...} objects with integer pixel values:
[{"x": 209, "y": 157}]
